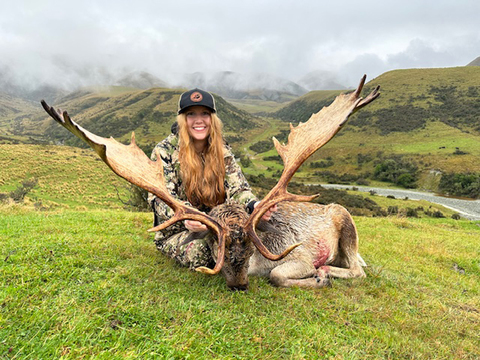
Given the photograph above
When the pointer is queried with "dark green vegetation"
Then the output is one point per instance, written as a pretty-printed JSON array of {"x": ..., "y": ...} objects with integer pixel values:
[
  {"x": 455, "y": 106},
  {"x": 461, "y": 184},
  {"x": 300, "y": 110},
  {"x": 18, "y": 195},
  {"x": 90, "y": 284},
  {"x": 396, "y": 170}
]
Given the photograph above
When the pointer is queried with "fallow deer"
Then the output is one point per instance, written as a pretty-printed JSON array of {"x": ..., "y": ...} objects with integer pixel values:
[{"x": 312, "y": 242}]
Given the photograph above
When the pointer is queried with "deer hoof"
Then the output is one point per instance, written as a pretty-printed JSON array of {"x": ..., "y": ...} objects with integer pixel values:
[{"x": 323, "y": 282}]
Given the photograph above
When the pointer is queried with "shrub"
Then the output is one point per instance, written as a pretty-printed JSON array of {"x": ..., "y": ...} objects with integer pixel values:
[
  {"x": 261, "y": 146},
  {"x": 396, "y": 170},
  {"x": 392, "y": 210},
  {"x": 362, "y": 181},
  {"x": 276, "y": 158},
  {"x": 345, "y": 178},
  {"x": 466, "y": 184},
  {"x": 137, "y": 199},
  {"x": 411, "y": 213},
  {"x": 322, "y": 163},
  {"x": 406, "y": 180},
  {"x": 459, "y": 152},
  {"x": 18, "y": 195},
  {"x": 245, "y": 161},
  {"x": 438, "y": 214}
]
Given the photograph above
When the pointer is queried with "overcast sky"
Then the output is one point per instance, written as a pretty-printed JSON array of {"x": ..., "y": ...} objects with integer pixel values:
[{"x": 76, "y": 41}]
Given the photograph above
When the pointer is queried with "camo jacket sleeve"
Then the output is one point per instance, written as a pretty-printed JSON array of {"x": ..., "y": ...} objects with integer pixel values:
[
  {"x": 168, "y": 150},
  {"x": 236, "y": 185}
]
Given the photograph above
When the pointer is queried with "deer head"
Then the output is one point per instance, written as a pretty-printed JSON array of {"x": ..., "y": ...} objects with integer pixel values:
[{"x": 234, "y": 229}]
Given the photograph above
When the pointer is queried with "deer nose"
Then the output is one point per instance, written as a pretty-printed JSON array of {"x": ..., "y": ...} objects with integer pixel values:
[{"x": 239, "y": 287}]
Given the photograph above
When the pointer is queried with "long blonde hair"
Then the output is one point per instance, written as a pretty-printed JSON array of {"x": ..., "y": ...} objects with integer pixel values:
[{"x": 203, "y": 178}]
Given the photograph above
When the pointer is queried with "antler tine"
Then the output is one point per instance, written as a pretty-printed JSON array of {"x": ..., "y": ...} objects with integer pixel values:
[
  {"x": 131, "y": 163},
  {"x": 303, "y": 141}
]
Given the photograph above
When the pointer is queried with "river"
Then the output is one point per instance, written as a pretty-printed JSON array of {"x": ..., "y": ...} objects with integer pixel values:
[{"x": 469, "y": 209}]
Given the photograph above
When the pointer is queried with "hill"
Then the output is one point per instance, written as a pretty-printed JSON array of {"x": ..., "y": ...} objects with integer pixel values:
[
  {"x": 320, "y": 80},
  {"x": 141, "y": 80},
  {"x": 12, "y": 111},
  {"x": 117, "y": 111},
  {"x": 426, "y": 123}
]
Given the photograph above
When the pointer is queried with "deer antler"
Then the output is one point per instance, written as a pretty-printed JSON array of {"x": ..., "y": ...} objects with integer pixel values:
[
  {"x": 303, "y": 141},
  {"x": 131, "y": 163}
]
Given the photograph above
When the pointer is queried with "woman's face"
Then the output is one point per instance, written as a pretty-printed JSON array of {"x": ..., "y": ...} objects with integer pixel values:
[{"x": 198, "y": 122}]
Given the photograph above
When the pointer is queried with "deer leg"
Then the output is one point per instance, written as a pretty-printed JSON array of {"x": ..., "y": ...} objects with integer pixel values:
[
  {"x": 353, "y": 271},
  {"x": 297, "y": 273}
]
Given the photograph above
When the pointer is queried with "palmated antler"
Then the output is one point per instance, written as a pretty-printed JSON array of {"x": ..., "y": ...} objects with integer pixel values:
[
  {"x": 131, "y": 163},
  {"x": 303, "y": 141}
]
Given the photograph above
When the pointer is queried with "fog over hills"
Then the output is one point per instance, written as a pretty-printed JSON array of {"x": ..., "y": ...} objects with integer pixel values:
[
  {"x": 243, "y": 86},
  {"x": 140, "y": 80},
  {"x": 228, "y": 84},
  {"x": 320, "y": 80}
]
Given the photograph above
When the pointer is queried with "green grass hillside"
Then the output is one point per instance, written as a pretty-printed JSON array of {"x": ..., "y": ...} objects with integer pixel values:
[
  {"x": 67, "y": 176},
  {"x": 424, "y": 119},
  {"x": 12, "y": 111}
]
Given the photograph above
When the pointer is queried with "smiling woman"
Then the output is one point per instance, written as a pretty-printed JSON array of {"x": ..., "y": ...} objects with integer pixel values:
[{"x": 200, "y": 170}]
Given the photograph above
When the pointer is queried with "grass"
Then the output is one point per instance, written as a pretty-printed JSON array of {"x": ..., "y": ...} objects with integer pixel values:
[
  {"x": 90, "y": 284},
  {"x": 66, "y": 176}
]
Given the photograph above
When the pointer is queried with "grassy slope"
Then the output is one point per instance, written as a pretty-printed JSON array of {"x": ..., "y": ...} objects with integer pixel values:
[
  {"x": 431, "y": 147},
  {"x": 91, "y": 284},
  {"x": 69, "y": 177},
  {"x": 11, "y": 111},
  {"x": 66, "y": 176}
]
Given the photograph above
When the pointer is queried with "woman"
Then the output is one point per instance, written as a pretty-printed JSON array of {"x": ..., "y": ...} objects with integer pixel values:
[{"x": 201, "y": 171}]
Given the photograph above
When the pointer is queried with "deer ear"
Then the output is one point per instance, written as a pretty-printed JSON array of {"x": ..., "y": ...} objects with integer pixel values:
[
  {"x": 191, "y": 237},
  {"x": 194, "y": 236},
  {"x": 265, "y": 226}
]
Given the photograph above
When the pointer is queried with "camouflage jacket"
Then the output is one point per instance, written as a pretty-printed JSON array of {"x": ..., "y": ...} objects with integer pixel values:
[{"x": 236, "y": 186}]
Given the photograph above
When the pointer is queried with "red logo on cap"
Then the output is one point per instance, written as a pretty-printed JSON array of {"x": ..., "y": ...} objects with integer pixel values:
[{"x": 196, "y": 97}]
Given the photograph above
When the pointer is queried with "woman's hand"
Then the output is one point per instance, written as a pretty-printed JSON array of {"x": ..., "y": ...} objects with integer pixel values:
[
  {"x": 195, "y": 226},
  {"x": 268, "y": 214}
]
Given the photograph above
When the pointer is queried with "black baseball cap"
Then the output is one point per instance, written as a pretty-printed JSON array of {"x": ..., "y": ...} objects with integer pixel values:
[{"x": 196, "y": 97}]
